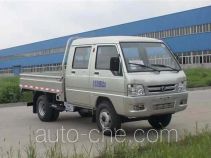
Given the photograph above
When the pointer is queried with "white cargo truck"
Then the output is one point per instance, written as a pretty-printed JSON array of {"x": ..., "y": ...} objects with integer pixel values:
[{"x": 113, "y": 79}]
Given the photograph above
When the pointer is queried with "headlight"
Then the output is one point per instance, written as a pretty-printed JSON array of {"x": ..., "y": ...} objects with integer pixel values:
[
  {"x": 135, "y": 90},
  {"x": 182, "y": 86}
]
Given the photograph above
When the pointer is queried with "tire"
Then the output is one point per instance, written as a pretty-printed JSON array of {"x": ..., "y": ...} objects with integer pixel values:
[
  {"x": 44, "y": 111},
  {"x": 85, "y": 113},
  {"x": 55, "y": 115},
  {"x": 160, "y": 121},
  {"x": 108, "y": 121}
]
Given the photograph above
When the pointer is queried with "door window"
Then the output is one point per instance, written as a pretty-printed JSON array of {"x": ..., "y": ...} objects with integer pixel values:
[
  {"x": 81, "y": 58},
  {"x": 104, "y": 54}
]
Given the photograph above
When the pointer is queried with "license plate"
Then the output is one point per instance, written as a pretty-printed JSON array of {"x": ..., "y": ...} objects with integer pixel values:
[{"x": 163, "y": 106}]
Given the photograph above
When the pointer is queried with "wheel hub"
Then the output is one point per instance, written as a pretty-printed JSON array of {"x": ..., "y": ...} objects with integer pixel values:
[
  {"x": 42, "y": 108},
  {"x": 105, "y": 119}
]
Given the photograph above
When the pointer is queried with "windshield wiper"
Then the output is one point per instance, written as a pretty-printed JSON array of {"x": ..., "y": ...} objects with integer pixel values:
[
  {"x": 166, "y": 66},
  {"x": 142, "y": 65}
]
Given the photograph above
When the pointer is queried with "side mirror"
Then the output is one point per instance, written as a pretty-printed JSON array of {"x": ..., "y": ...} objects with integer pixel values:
[{"x": 114, "y": 64}]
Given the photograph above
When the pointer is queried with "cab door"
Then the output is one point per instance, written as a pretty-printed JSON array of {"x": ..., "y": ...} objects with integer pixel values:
[
  {"x": 77, "y": 76},
  {"x": 104, "y": 82}
]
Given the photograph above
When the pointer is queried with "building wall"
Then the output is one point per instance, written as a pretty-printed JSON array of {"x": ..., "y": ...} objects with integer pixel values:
[{"x": 186, "y": 33}]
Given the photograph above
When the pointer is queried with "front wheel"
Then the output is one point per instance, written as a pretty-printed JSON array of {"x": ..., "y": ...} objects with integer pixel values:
[
  {"x": 108, "y": 121},
  {"x": 44, "y": 111},
  {"x": 160, "y": 121}
]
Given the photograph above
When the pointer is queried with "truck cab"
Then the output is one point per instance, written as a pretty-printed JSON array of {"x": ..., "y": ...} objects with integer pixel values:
[{"x": 114, "y": 79}]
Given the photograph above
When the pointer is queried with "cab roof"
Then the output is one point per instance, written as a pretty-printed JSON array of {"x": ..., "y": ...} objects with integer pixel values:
[{"x": 112, "y": 40}]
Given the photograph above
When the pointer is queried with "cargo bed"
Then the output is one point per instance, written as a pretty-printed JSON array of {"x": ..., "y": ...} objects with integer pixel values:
[{"x": 45, "y": 82}]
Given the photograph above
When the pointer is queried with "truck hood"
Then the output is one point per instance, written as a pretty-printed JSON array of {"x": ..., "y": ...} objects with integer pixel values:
[{"x": 155, "y": 78}]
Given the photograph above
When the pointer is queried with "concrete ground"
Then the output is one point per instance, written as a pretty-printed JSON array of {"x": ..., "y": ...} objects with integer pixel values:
[{"x": 18, "y": 124}]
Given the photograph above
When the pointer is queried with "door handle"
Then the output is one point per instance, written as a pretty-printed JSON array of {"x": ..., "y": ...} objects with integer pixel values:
[
  {"x": 96, "y": 73},
  {"x": 73, "y": 72}
]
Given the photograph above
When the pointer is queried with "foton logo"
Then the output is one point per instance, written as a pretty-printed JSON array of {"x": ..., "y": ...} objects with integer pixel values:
[{"x": 163, "y": 88}]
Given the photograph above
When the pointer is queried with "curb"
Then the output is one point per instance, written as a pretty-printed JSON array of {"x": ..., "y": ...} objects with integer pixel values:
[
  {"x": 199, "y": 88},
  {"x": 12, "y": 104}
]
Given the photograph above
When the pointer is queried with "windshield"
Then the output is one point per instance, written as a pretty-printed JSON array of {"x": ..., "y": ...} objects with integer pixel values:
[{"x": 141, "y": 57}]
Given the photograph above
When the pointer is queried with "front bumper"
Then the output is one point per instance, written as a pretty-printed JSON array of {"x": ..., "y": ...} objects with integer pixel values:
[{"x": 155, "y": 104}]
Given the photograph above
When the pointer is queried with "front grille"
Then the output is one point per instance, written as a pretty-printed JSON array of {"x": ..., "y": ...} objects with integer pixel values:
[
  {"x": 161, "y": 88},
  {"x": 163, "y": 106}
]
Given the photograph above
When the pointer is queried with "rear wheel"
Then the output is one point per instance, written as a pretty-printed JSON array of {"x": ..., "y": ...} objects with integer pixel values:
[
  {"x": 55, "y": 115},
  {"x": 108, "y": 121},
  {"x": 44, "y": 111},
  {"x": 160, "y": 121}
]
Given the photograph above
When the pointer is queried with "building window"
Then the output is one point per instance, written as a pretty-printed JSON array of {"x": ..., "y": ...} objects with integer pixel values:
[
  {"x": 179, "y": 31},
  {"x": 209, "y": 27},
  {"x": 33, "y": 54}
]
